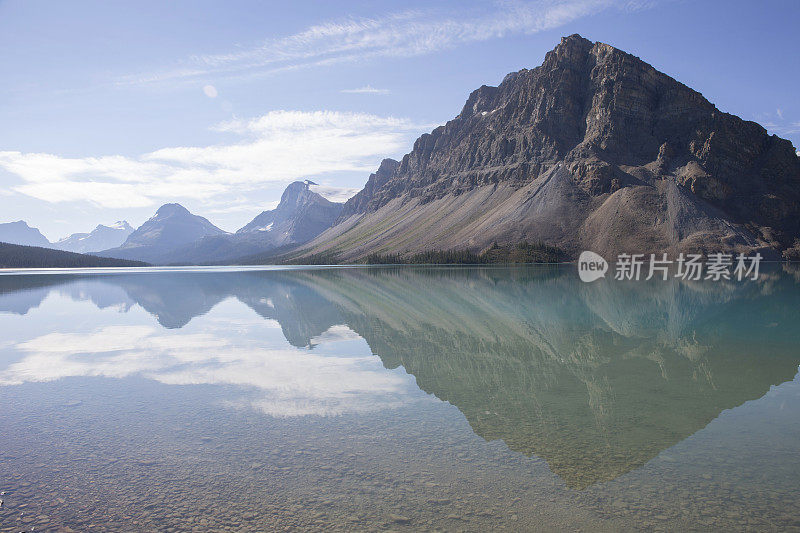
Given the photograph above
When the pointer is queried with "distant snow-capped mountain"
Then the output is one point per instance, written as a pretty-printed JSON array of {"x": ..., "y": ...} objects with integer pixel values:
[
  {"x": 100, "y": 238},
  {"x": 301, "y": 215}
]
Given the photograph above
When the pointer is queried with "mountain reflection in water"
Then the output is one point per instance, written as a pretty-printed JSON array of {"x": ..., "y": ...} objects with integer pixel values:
[{"x": 597, "y": 379}]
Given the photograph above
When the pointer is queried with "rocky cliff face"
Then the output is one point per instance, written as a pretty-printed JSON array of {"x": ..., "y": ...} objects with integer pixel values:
[
  {"x": 361, "y": 201},
  {"x": 594, "y": 149}
]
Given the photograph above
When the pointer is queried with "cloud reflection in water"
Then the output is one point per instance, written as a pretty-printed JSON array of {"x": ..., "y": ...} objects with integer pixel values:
[{"x": 280, "y": 382}]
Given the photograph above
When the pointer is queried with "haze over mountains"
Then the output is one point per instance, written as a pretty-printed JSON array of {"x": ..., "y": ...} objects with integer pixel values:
[
  {"x": 171, "y": 227},
  {"x": 301, "y": 215},
  {"x": 100, "y": 238},
  {"x": 20, "y": 233},
  {"x": 24, "y": 247},
  {"x": 174, "y": 235},
  {"x": 594, "y": 149}
]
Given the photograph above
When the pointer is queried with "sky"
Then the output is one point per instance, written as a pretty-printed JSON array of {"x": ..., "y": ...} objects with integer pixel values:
[{"x": 111, "y": 108}]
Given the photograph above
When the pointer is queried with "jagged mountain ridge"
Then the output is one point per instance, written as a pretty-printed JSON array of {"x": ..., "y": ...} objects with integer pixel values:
[
  {"x": 301, "y": 215},
  {"x": 361, "y": 201},
  {"x": 594, "y": 149},
  {"x": 100, "y": 238}
]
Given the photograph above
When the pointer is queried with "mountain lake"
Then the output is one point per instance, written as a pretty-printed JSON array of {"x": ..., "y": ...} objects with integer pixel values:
[{"x": 399, "y": 398}]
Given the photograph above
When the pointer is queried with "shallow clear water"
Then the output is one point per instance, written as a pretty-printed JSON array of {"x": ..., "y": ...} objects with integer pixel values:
[{"x": 413, "y": 398}]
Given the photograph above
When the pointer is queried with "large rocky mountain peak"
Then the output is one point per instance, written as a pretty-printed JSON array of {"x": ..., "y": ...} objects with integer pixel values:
[{"x": 593, "y": 149}]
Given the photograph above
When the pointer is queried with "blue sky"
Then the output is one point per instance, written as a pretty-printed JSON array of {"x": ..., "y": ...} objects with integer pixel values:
[{"x": 111, "y": 108}]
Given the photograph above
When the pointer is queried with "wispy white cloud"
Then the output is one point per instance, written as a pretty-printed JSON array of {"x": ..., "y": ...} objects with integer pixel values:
[
  {"x": 335, "y": 194},
  {"x": 782, "y": 128},
  {"x": 405, "y": 34},
  {"x": 239, "y": 207},
  {"x": 367, "y": 89},
  {"x": 776, "y": 123},
  {"x": 280, "y": 146}
]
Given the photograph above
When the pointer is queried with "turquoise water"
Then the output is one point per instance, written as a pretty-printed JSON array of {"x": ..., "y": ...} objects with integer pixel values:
[{"x": 398, "y": 398}]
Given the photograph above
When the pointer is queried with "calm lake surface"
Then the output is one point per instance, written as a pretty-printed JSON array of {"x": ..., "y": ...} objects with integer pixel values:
[{"x": 402, "y": 398}]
